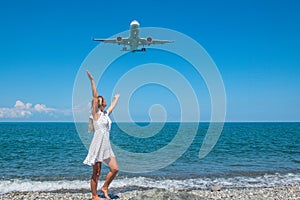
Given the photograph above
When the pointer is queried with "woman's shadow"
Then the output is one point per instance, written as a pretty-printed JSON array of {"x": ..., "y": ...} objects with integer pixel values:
[{"x": 112, "y": 196}]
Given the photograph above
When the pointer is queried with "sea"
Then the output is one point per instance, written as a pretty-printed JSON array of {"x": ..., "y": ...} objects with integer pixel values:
[{"x": 49, "y": 157}]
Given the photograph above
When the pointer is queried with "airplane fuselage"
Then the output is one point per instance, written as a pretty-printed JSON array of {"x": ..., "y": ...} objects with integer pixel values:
[
  {"x": 134, "y": 35},
  {"x": 134, "y": 30}
]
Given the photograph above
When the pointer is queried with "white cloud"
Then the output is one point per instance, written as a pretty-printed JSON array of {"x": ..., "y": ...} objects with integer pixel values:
[
  {"x": 43, "y": 108},
  {"x": 15, "y": 112},
  {"x": 26, "y": 110},
  {"x": 20, "y": 105}
]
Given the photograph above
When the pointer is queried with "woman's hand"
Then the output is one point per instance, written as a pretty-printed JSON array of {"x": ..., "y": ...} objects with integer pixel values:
[
  {"x": 89, "y": 75},
  {"x": 116, "y": 96}
]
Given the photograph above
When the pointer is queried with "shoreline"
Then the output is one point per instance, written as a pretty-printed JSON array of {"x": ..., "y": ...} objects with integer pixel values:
[{"x": 274, "y": 192}]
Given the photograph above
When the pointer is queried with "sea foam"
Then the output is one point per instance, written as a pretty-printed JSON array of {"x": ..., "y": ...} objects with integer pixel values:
[{"x": 26, "y": 185}]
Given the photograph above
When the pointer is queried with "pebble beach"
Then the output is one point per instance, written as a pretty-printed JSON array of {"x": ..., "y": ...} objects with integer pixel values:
[{"x": 265, "y": 193}]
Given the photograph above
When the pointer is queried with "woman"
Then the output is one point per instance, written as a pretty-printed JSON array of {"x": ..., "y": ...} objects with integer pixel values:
[{"x": 100, "y": 149}]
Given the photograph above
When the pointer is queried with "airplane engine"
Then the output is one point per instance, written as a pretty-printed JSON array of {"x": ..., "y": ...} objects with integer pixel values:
[
  {"x": 119, "y": 39},
  {"x": 149, "y": 40}
]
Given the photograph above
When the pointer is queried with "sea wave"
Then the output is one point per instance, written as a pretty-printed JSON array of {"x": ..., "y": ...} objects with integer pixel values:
[{"x": 267, "y": 180}]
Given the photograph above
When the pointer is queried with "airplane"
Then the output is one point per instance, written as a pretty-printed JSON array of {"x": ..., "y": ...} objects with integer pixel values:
[{"x": 133, "y": 41}]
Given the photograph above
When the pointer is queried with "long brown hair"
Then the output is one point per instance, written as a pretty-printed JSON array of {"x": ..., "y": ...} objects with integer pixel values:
[
  {"x": 91, "y": 125},
  {"x": 91, "y": 119}
]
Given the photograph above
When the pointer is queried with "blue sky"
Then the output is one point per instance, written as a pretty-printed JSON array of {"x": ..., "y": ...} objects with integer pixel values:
[{"x": 255, "y": 45}]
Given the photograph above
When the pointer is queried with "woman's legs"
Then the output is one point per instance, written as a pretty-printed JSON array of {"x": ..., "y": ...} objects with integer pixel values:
[
  {"x": 94, "y": 180},
  {"x": 113, "y": 170}
]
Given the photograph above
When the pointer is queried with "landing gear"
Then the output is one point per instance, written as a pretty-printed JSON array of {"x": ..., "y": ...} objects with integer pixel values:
[
  {"x": 143, "y": 49},
  {"x": 124, "y": 49}
]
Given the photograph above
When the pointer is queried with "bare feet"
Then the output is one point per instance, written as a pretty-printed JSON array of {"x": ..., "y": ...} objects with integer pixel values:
[
  {"x": 96, "y": 198},
  {"x": 105, "y": 192}
]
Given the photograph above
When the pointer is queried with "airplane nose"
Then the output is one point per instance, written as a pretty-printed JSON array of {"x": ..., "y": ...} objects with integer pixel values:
[{"x": 134, "y": 22}]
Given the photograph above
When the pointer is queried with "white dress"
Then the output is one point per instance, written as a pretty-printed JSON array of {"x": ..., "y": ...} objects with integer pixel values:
[{"x": 100, "y": 148}]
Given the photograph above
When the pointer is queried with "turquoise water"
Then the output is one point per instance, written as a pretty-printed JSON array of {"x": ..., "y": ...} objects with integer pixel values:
[{"x": 247, "y": 154}]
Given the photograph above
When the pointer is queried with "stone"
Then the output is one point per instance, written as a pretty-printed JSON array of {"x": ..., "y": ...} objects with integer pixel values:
[{"x": 216, "y": 188}]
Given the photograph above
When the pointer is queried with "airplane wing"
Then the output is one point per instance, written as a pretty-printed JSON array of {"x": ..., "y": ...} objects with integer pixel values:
[
  {"x": 105, "y": 40},
  {"x": 118, "y": 40},
  {"x": 149, "y": 41},
  {"x": 161, "y": 41}
]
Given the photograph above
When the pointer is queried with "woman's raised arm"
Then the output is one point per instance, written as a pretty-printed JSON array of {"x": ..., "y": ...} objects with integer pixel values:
[
  {"x": 94, "y": 90},
  {"x": 95, "y": 94},
  {"x": 113, "y": 103}
]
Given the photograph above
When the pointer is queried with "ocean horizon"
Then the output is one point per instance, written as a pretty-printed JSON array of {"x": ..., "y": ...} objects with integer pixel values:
[{"x": 48, "y": 156}]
